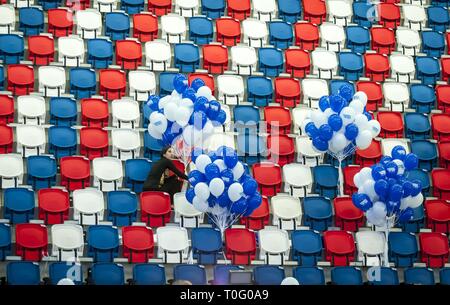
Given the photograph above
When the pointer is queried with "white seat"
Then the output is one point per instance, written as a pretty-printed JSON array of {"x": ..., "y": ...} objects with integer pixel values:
[
  {"x": 396, "y": 96},
  {"x": 71, "y": 50},
  {"x": 108, "y": 173},
  {"x": 340, "y": 12},
  {"x": 186, "y": 8},
  {"x": 264, "y": 10},
  {"x": 142, "y": 84},
  {"x": 89, "y": 23},
  {"x": 255, "y": 32},
  {"x": 403, "y": 68},
  {"x": 8, "y": 20},
  {"x": 185, "y": 213},
  {"x": 30, "y": 140},
  {"x": 417, "y": 2},
  {"x": 173, "y": 28},
  {"x": 332, "y": 36},
  {"x": 388, "y": 144},
  {"x": 157, "y": 55},
  {"x": 414, "y": 17},
  {"x": 22, "y": 3},
  {"x": 408, "y": 41},
  {"x": 11, "y": 170},
  {"x": 52, "y": 80},
  {"x": 299, "y": 114},
  {"x": 325, "y": 63},
  {"x": 220, "y": 139},
  {"x": 173, "y": 244},
  {"x": 31, "y": 109},
  {"x": 274, "y": 245},
  {"x": 297, "y": 179},
  {"x": 243, "y": 59},
  {"x": 105, "y": 6},
  {"x": 231, "y": 89},
  {"x": 125, "y": 113},
  {"x": 88, "y": 206},
  {"x": 305, "y": 152},
  {"x": 370, "y": 247},
  {"x": 287, "y": 211},
  {"x": 126, "y": 143},
  {"x": 313, "y": 89},
  {"x": 67, "y": 241}
]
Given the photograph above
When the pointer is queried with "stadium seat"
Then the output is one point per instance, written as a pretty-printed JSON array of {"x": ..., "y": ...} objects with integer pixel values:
[
  {"x": 31, "y": 241},
  {"x": 206, "y": 245},
  {"x": 71, "y": 51},
  {"x": 173, "y": 28},
  {"x": 128, "y": 54},
  {"x": 297, "y": 62},
  {"x": 297, "y": 179},
  {"x": 281, "y": 149},
  {"x": 155, "y": 208},
  {"x": 238, "y": 9},
  {"x": 152, "y": 147},
  {"x": 370, "y": 247},
  {"x": 403, "y": 249},
  {"x": 6, "y": 139},
  {"x": 349, "y": 172},
  {"x": 376, "y": 66},
  {"x": 243, "y": 60},
  {"x": 255, "y": 32},
  {"x": 306, "y": 247},
  {"x": 387, "y": 276},
  {"x": 391, "y": 124},
  {"x": 93, "y": 142},
  {"x": 228, "y": 31},
  {"x": 132, "y": 7},
  {"x": 251, "y": 148},
  {"x": 52, "y": 81},
  {"x": 309, "y": 275},
  {"x": 280, "y": 34},
  {"x": 268, "y": 275},
  {"x": 287, "y": 92},
  {"x": 317, "y": 213},
  {"x": 9, "y": 18},
  {"x": 434, "y": 249},
  {"x": 145, "y": 26},
  {"x": 173, "y": 244},
  {"x": 350, "y": 65},
  {"x": 160, "y": 7},
  {"x": 427, "y": 152},
  {"x": 339, "y": 247},
  {"x": 339, "y": 12},
  {"x": 346, "y": 276},
  {"x": 88, "y": 206},
  {"x": 240, "y": 246},
  {"x": 126, "y": 143},
  {"x": 138, "y": 244},
  {"x": 149, "y": 274},
  {"x": 94, "y": 112},
  {"x": 213, "y": 8},
  {"x": 259, "y": 90},
  {"x": 125, "y": 113},
  {"x": 106, "y": 273},
  {"x": 99, "y": 52},
  {"x": 20, "y": 79},
  {"x": 185, "y": 214},
  {"x": 53, "y": 205},
  {"x": 444, "y": 154},
  {"x": 105, "y": 6},
  {"x": 417, "y": 126},
  {"x": 364, "y": 13},
  {"x": 441, "y": 189},
  {"x": 31, "y": 110},
  {"x": 75, "y": 172},
  {"x": 358, "y": 39},
  {"x": 347, "y": 216},
  {"x": 438, "y": 18},
  {"x": 313, "y": 89},
  {"x": 122, "y": 207},
  {"x": 389, "y": 15},
  {"x": 41, "y": 171},
  {"x": 374, "y": 94},
  {"x": 305, "y": 151},
  {"x": 423, "y": 98},
  {"x": 259, "y": 217},
  {"x": 186, "y": 57},
  {"x": 441, "y": 96},
  {"x": 31, "y": 20},
  {"x": 325, "y": 180},
  {"x": 12, "y": 48},
  {"x": 414, "y": 17},
  {"x": 67, "y": 241},
  {"x": 314, "y": 11},
  {"x": 438, "y": 215},
  {"x": 270, "y": 61},
  {"x": 230, "y": 89},
  {"x": 433, "y": 43},
  {"x": 427, "y": 70},
  {"x": 11, "y": 170},
  {"x": 287, "y": 211},
  {"x": 142, "y": 84},
  {"x": 201, "y": 30},
  {"x": 332, "y": 36},
  {"x": 402, "y": 68},
  {"x": 6, "y": 109},
  {"x": 268, "y": 175},
  {"x": 289, "y": 11},
  {"x": 112, "y": 83},
  {"x": 246, "y": 119},
  {"x": 30, "y": 140},
  {"x": 222, "y": 274},
  {"x": 195, "y": 274},
  {"x": 166, "y": 83},
  {"x": 23, "y": 273},
  {"x": 82, "y": 82},
  {"x": 439, "y": 123},
  {"x": 418, "y": 276},
  {"x": 264, "y": 10},
  {"x": 60, "y": 21},
  {"x": 325, "y": 63},
  {"x": 102, "y": 242},
  {"x": 78, "y": 5},
  {"x": 408, "y": 41},
  {"x": 18, "y": 205},
  {"x": 306, "y": 35},
  {"x": 444, "y": 276},
  {"x": 136, "y": 172},
  {"x": 62, "y": 141},
  {"x": 424, "y": 178},
  {"x": 63, "y": 111},
  {"x": 215, "y": 58},
  {"x": 89, "y": 23},
  {"x": 107, "y": 173},
  {"x": 274, "y": 245},
  {"x": 62, "y": 270},
  {"x": 278, "y": 118}
]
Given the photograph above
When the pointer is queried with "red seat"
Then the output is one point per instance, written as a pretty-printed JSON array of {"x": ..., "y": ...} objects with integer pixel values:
[
  {"x": 239, "y": 9},
  {"x": 240, "y": 246},
  {"x": 389, "y": 15},
  {"x": 215, "y": 58},
  {"x": 20, "y": 79},
  {"x": 78, "y": 4},
  {"x": 75, "y": 172},
  {"x": 138, "y": 244},
  {"x": 444, "y": 154},
  {"x": 441, "y": 183},
  {"x": 6, "y": 109},
  {"x": 94, "y": 112},
  {"x": 54, "y": 205},
  {"x": 112, "y": 83},
  {"x": 383, "y": 40},
  {"x": 207, "y": 78},
  {"x": 370, "y": 155},
  {"x": 278, "y": 119},
  {"x": 60, "y": 22},
  {"x": 298, "y": 62},
  {"x": 306, "y": 35},
  {"x": 339, "y": 247},
  {"x": 155, "y": 208},
  {"x": 438, "y": 215},
  {"x": 6, "y": 139},
  {"x": 443, "y": 97},
  {"x": 268, "y": 176},
  {"x": 145, "y": 26},
  {"x": 281, "y": 149},
  {"x": 445, "y": 67},
  {"x": 377, "y": 66},
  {"x": 31, "y": 241},
  {"x": 391, "y": 124},
  {"x": 447, "y": 40},
  {"x": 374, "y": 94},
  {"x": 41, "y": 49},
  {"x": 349, "y": 172},
  {"x": 440, "y": 124},
  {"x": 93, "y": 142},
  {"x": 160, "y": 7},
  {"x": 287, "y": 91},
  {"x": 259, "y": 217},
  {"x": 347, "y": 216},
  {"x": 128, "y": 54},
  {"x": 228, "y": 31},
  {"x": 434, "y": 249},
  {"x": 314, "y": 11}
]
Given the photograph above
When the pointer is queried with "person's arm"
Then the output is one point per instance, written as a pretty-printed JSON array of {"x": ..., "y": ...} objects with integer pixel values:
[{"x": 173, "y": 168}]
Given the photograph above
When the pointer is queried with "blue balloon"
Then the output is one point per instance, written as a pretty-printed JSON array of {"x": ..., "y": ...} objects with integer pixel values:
[
  {"x": 250, "y": 187},
  {"x": 395, "y": 192},
  {"x": 325, "y": 132},
  {"x": 407, "y": 188},
  {"x": 244, "y": 178},
  {"x": 195, "y": 153},
  {"x": 213, "y": 110},
  {"x": 362, "y": 201},
  {"x": 381, "y": 188},
  {"x": 392, "y": 207},
  {"x": 417, "y": 187},
  {"x": 200, "y": 104},
  {"x": 337, "y": 102},
  {"x": 391, "y": 181},
  {"x": 153, "y": 102},
  {"x": 391, "y": 169},
  {"x": 320, "y": 144},
  {"x": 398, "y": 152},
  {"x": 211, "y": 201},
  {"x": 239, "y": 206},
  {"x": 324, "y": 103},
  {"x": 311, "y": 130},
  {"x": 230, "y": 158},
  {"x": 221, "y": 151},
  {"x": 212, "y": 171},
  {"x": 195, "y": 177},
  {"x": 351, "y": 131},
  {"x": 406, "y": 215},
  {"x": 385, "y": 160},
  {"x": 254, "y": 201},
  {"x": 411, "y": 161},
  {"x": 212, "y": 155},
  {"x": 335, "y": 122},
  {"x": 227, "y": 177},
  {"x": 198, "y": 119},
  {"x": 346, "y": 92},
  {"x": 190, "y": 94},
  {"x": 248, "y": 212},
  {"x": 221, "y": 117},
  {"x": 223, "y": 200},
  {"x": 168, "y": 136},
  {"x": 197, "y": 83},
  {"x": 368, "y": 115},
  {"x": 378, "y": 172},
  {"x": 190, "y": 194},
  {"x": 180, "y": 83}
]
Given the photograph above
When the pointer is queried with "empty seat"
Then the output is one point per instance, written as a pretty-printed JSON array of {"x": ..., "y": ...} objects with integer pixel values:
[
  {"x": 271, "y": 61},
  {"x": 403, "y": 248},
  {"x": 215, "y": 58},
  {"x": 173, "y": 244},
  {"x": 280, "y": 34},
  {"x": 332, "y": 36},
  {"x": 287, "y": 92},
  {"x": 439, "y": 124},
  {"x": 71, "y": 50},
  {"x": 238, "y": 9},
  {"x": 259, "y": 90},
  {"x": 364, "y": 13},
  {"x": 75, "y": 172},
  {"x": 117, "y": 25},
  {"x": 63, "y": 111},
  {"x": 155, "y": 208},
  {"x": 287, "y": 211},
  {"x": 414, "y": 17},
  {"x": 427, "y": 70},
  {"x": 105, "y": 6},
  {"x": 325, "y": 180},
  {"x": 309, "y": 275},
  {"x": 274, "y": 245},
  {"x": 268, "y": 176},
  {"x": 358, "y": 38},
  {"x": 103, "y": 243},
  {"x": 230, "y": 89},
  {"x": 186, "y": 57},
  {"x": 206, "y": 245},
  {"x": 60, "y": 21},
  {"x": 306, "y": 247},
  {"x": 306, "y": 35},
  {"x": 427, "y": 152},
  {"x": 280, "y": 149},
  {"x": 128, "y": 54},
  {"x": 6, "y": 139},
  {"x": 228, "y": 31},
  {"x": 138, "y": 244},
  {"x": 149, "y": 274},
  {"x": 18, "y": 205},
  {"x": 317, "y": 212},
  {"x": 240, "y": 246},
  {"x": 89, "y": 23},
  {"x": 173, "y": 28},
  {"x": 314, "y": 11},
  {"x": 99, "y": 52},
  {"x": 132, "y": 7},
  {"x": 107, "y": 172},
  {"x": 62, "y": 141},
  {"x": 31, "y": 241},
  {"x": 374, "y": 93},
  {"x": 31, "y": 109},
  {"x": 243, "y": 60},
  {"x": 297, "y": 62},
  {"x": 222, "y": 273},
  {"x": 63, "y": 270},
  {"x": 417, "y": 126},
  {"x": 20, "y": 79},
  {"x": 88, "y": 206},
  {"x": 419, "y": 276},
  {"x": 297, "y": 179},
  {"x": 94, "y": 112},
  {"x": 23, "y": 273},
  {"x": 391, "y": 124},
  {"x": 160, "y": 7},
  {"x": 423, "y": 98},
  {"x": 434, "y": 249},
  {"x": 31, "y": 20},
  {"x": 9, "y": 18},
  {"x": 107, "y": 274},
  {"x": 93, "y": 142},
  {"x": 438, "y": 212},
  {"x": 136, "y": 172},
  {"x": 185, "y": 213},
  {"x": 289, "y": 11},
  {"x": 201, "y": 30},
  {"x": 82, "y": 82},
  {"x": 53, "y": 205},
  {"x": 255, "y": 32},
  {"x": 433, "y": 43},
  {"x": 347, "y": 216},
  {"x": 11, "y": 170},
  {"x": 408, "y": 41},
  {"x": 441, "y": 95},
  {"x": 6, "y": 109},
  {"x": 122, "y": 207},
  {"x": 30, "y": 140},
  {"x": 396, "y": 96},
  {"x": 383, "y": 40},
  {"x": 346, "y": 276},
  {"x": 313, "y": 90},
  {"x": 67, "y": 241},
  {"x": 370, "y": 247},
  {"x": 125, "y": 113},
  {"x": 325, "y": 63},
  {"x": 387, "y": 276},
  {"x": 339, "y": 247},
  {"x": 438, "y": 18},
  {"x": 268, "y": 275},
  {"x": 11, "y": 48},
  {"x": 142, "y": 84},
  {"x": 126, "y": 143},
  {"x": 145, "y": 26},
  {"x": 350, "y": 65},
  {"x": 377, "y": 66},
  {"x": 41, "y": 171},
  {"x": 306, "y": 153},
  {"x": 259, "y": 217},
  {"x": 195, "y": 274},
  {"x": 157, "y": 55},
  {"x": 389, "y": 15},
  {"x": 52, "y": 80},
  {"x": 112, "y": 83},
  {"x": 278, "y": 119}
]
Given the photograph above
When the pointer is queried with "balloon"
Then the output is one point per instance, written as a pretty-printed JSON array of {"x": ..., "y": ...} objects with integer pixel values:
[
  {"x": 381, "y": 188},
  {"x": 351, "y": 131},
  {"x": 201, "y": 163},
  {"x": 227, "y": 176},
  {"x": 368, "y": 188},
  {"x": 320, "y": 144},
  {"x": 325, "y": 132},
  {"x": 235, "y": 191},
  {"x": 213, "y": 110},
  {"x": 190, "y": 194},
  {"x": 198, "y": 119},
  {"x": 153, "y": 132},
  {"x": 195, "y": 153},
  {"x": 311, "y": 130},
  {"x": 65, "y": 282},
  {"x": 216, "y": 187},
  {"x": 374, "y": 128},
  {"x": 357, "y": 105},
  {"x": 213, "y": 157},
  {"x": 250, "y": 187},
  {"x": 197, "y": 83},
  {"x": 220, "y": 163},
  {"x": 318, "y": 118},
  {"x": 368, "y": 116},
  {"x": 347, "y": 115},
  {"x": 357, "y": 180},
  {"x": 361, "y": 96},
  {"x": 407, "y": 188},
  {"x": 400, "y": 166},
  {"x": 398, "y": 152},
  {"x": 200, "y": 104},
  {"x": 159, "y": 121},
  {"x": 411, "y": 161},
  {"x": 385, "y": 160},
  {"x": 230, "y": 158},
  {"x": 379, "y": 209},
  {"x": 238, "y": 171},
  {"x": 221, "y": 117},
  {"x": 289, "y": 281},
  {"x": 415, "y": 201},
  {"x": 223, "y": 200},
  {"x": 391, "y": 169},
  {"x": 324, "y": 103},
  {"x": 190, "y": 94},
  {"x": 346, "y": 92},
  {"x": 395, "y": 192},
  {"x": 204, "y": 91},
  {"x": 366, "y": 174},
  {"x": 337, "y": 103},
  {"x": 163, "y": 101},
  {"x": 406, "y": 215},
  {"x": 187, "y": 103},
  {"x": 361, "y": 201},
  {"x": 417, "y": 187},
  {"x": 329, "y": 112},
  {"x": 339, "y": 142},
  {"x": 335, "y": 122},
  {"x": 364, "y": 139},
  {"x": 202, "y": 191},
  {"x": 254, "y": 201},
  {"x": 180, "y": 83},
  {"x": 392, "y": 207},
  {"x": 239, "y": 206},
  {"x": 200, "y": 205},
  {"x": 212, "y": 171},
  {"x": 361, "y": 121},
  {"x": 182, "y": 116},
  {"x": 378, "y": 172},
  {"x": 152, "y": 102}
]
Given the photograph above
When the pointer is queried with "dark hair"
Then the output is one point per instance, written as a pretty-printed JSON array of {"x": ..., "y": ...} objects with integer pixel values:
[{"x": 165, "y": 149}]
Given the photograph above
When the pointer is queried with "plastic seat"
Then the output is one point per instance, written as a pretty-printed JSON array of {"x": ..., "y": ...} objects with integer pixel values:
[
  {"x": 157, "y": 55},
  {"x": 251, "y": 148},
  {"x": 228, "y": 31},
  {"x": 440, "y": 183},
  {"x": 313, "y": 90},
  {"x": 23, "y": 273},
  {"x": 212, "y": 9},
  {"x": 60, "y": 21},
  {"x": 441, "y": 96},
  {"x": 6, "y": 109},
  {"x": 53, "y": 205},
  {"x": 52, "y": 81},
  {"x": 30, "y": 140},
  {"x": 100, "y": 52},
  {"x": 377, "y": 66},
  {"x": 437, "y": 212},
  {"x": 122, "y": 207},
  {"x": 62, "y": 270},
  {"x": 31, "y": 110},
  {"x": 389, "y": 15},
  {"x": 126, "y": 143},
  {"x": 207, "y": 78},
  {"x": 297, "y": 62},
  {"x": 427, "y": 70},
  {"x": 280, "y": 34},
  {"x": 138, "y": 244},
  {"x": 278, "y": 119},
  {"x": 246, "y": 119},
  {"x": 339, "y": 247},
  {"x": 409, "y": 41},
  {"x": 206, "y": 245},
  {"x": 185, "y": 213},
  {"x": 297, "y": 179},
  {"x": 270, "y": 61},
  {"x": 132, "y": 7},
  {"x": 173, "y": 244},
  {"x": 396, "y": 96},
  {"x": 105, "y": 6},
  {"x": 88, "y": 206},
  {"x": 67, "y": 241},
  {"x": 107, "y": 274},
  {"x": 31, "y": 20},
  {"x": 152, "y": 147},
  {"x": 433, "y": 43},
  {"x": 20, "y": 79},
  {"x": 136, "y": 172},
  {"x": 125, "y": 113},
  {"x": 63, "y": 111},
  {"x": 255, "y": 32},
  {"x": 240, "y": 246},
  {"x": 314, "y": 11},
  {"x": 403, "y": 248},
  {"x": 149, "y": 274},
  {"x": 75, "y": 172},
  {"x": 423, "y": 98},
  {"x": 112, "y": 83},
  {"x": 358, "y": 38},
  {"x": 18, "y": 205},
  {"x": 238, "y": 9},
  {"x": 317, "y": 213},
  {"x": 325, "y": 180},
  {"x": 383, "y": 40},
  {"x": 107, "y": 172},
  {"x": 128, "y": 54},
  {"x": 370, "y": 155},
  {"x": 200, "y": 30},
  {"x": 82, "y": 82},
  {"x": 274, "y": 246},
  {"x": 287, "y": 92},
  {"x": 419, "y": 276},
  {"x": 186, "y": 8},
  {"x": 306, "y": 35},
  {"x": 117, "y": 25},
  {"x": 280, "y": 149},
  {"x": 289, "y": 11},
  {"x": 363, "y": 13},
  {"x": 9, "y": 18},
  {"x": 71, "y": 51},
  {"x": 387, "y": 276},
  {"x": 11, "y": 170},
  {"x": 287, "y": 211},
  {"x": 195, "y": 274},
  {"x": 306, "y": 153},
  {"x": 160, "y": 7},
  {"x": 94, "y": 112},
  {"x": 424, "y": 178},
  {"x": 259, "y": 217},
  {"x": 31, "y": 241},
  {"x": 93, "y": 142},
  {"x": 89, "y": 23},
  {"x": 339, "y": 12},
  {"x": 346, "y": 276},
  {"x": 230, "y": 89},
  {"x": 41, "y": 171},
  {"x": 103, "y": 243},
  {"x": 215, "y": 58},
  {"x": 222, "y": 274},
  {"x": 444, "y": 276},
  {"x": 350, "y": 65},
  {"x": 259, "y": 90},
  {"x": 370, "y": 247},
  {"x": 414, "y": 17},
  {"x": 264, "y": 10},
  {"x": 309, "y": 275},
  {"x": 417, "y": 126},
  {"x": 142, "y": 84},
  {"x": 6, "y": 139},
  {"x": 11, "y": 48},
  {"x": 173, "y": 28},
  {"x": 268, "y": 176},
  {"x": 78, "y": 5},
  {"x": 438, "y": 18},
  {"x": 439, "y": 123},
  {"x": 347, "y": 216},
  {"x": 186, "y": 57},
  {"x": 268, "y": 275},
  {"x": 325, "y": 63},
  {"x": 145, "y": 26},
  {"x": 444, "y": 154},
  {"x": 332, "y": 36},
  {"x": 243, "y": 59},
  {"x": 374, "y": 94},
  {"x": 306, "y": 247},
  {"x": 427, "y": 152},
  {"x": 391, "y": 124},
  {"x": 155, "y": 208},
  {"x": 62, "y": 141}
]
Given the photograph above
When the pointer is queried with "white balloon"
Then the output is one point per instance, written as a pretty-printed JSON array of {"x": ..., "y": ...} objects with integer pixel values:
[
  {"x": 331, "y": 148},
  {"x": 357, "y": 180},
  {"x": 176, "y": 94},
  {"x": 182, "y": 116},
  {"x": 238, "y": 171},
  {"x": 357, "y": 105},
  {"x": 290, "y": 281},
  {"x": 164, "y": 100},
  {"x": 347, "y": 115},
  {"x": 374, "y": 127},
  {"x": 361, "y": 121},
  {"x": 319, "y": 118},
  {"x": 328, "y": 112},
  {"x": 216, "y": 187},
  {"x": 201, "y": 162},
  {"x": 217, "y": 210},
  {"x": 400, "y": 165},
  {"x": 235, "y": 191},
  {"x": 365, "y": 174},
  {"x": 361, "y": 96},
  {"x": 339, "y": 141},
  {"x": 200, "y": 205},
  {"x": 65, "y": 281},
  {"x": 368, "y": 188},
  {"x": 170, "y": 111},
  {"x": 204, "y": 91},
  {"x": 159, "y": 121},
  {"x": 208, "y": 129},
  {"x": 364, "y": 139},
  {"x": 404, "y": 202},
  {"x": 415, "y": 201},
  {"x": 201, "y": 190},
  {"x": 186, "y": 102},
  {"x": 221, "y": 164},
  {"x": 191, "y": 136},
  {"x": 153, "y": 132}
]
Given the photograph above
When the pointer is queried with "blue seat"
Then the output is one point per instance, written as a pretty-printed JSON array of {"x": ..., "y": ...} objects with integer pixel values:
[
  {"x": 107, "y": 274},
  {"x": 186, "y": 57},
  {"x": 433, "y": 43},
  {"x": 403, "y": 249},
  {"x": 427, "y": 70},
  {"x": 103, "y": 243},
  {"x": 346, "y": 276},
  {"x": 62, "y": 141},
  {"x": 417, "y": 126},
  {"x": 259, "y": 90},
  {"x": 246, "y": 118},
  {"x": 419, "y": 276},
  {"x": 444, "y": 276},
  {"x": 438, "y": 18},
  {"x": 335, "y": 85},
  {"x": 423, "y": 98},
  {"x": 49, "y": 4},
  {"x": 268, "y": 275},
  {"x": 358, "y": 39},
  {"x": 5, "y": 241},
  {"x": 350, "y": 65},
  {"x": 41, "y": 171},
  {"x": 2, "y": 78},
  {"x": 132, "y": 7},
  {"x": 166, "y": 83},
  {"x": 146, "y": 111},
  {"x": 441, "y": 3},
  {"x": 222, "y": 274},
  {"x": 206, "y": 245},
  {"x": 309, "y": 275},
  {"x": 280, "y": 34},
  {"x": 195, "y": 274},
  {"x": 306, "y": 247},
  {"x": 364, "y": 13},
  {"x": 270, "y": 61},
  {"x": 99, "y": 53},
  {"x": 152, "y": 147},
  {"x": 19, "y": 205},
  {"x": 149, "y": 274},
  {"x": 31, "y": 20},
  {"x": 213, "y": 8},
  {"x": 424, "y": 178},
  {"x": 23, "y": 273},
  {"x": 11, "y": 48},
  {"x": 289, "y": 10},
  {"x": 136, "y": 172},
  {"x": 63, "y": 111},
  {"x": 416, "y": 223},
  {"x": 122, "y": 208},
  {"x": 201, "y": 30},
  {"x": 61, "y": 270},
  {"x": 251, "y": 148},
  {"x": 317, "y": 213},
  {"x": 426, "y": 151},
  {"x": 387, "y": 276},
  {"x": 117, "y": 25},
  {"x": 82, "y": 82},
  {"x": 326, "y": 180}
]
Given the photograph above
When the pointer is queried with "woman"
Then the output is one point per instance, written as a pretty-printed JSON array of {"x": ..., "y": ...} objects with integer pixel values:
[{"x": 159, "y": 180}]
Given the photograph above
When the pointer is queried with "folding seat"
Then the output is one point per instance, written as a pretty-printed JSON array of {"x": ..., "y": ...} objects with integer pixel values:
[
  {"x": 332, "y": 36},
  {"x": 243, "y": 59},
  {"x": 427, "y": 152},
  {"x": 297, "y": 179},
  {"x": 88, "y": 205},
  {"x": 377, "y": 66},
  {"x": 105, "y": 6},
  {"x": 325, "y": 180},
  {"x": 89, "y": 23},
  {"x": 71, "y": 51},
  {"x": 306, "y": 247},
  {"x": 444, "y": 276},
  {"x": 325, "y": 63},
  {"x": 173, "y": 28},
  {"x": 145, "y": 26},
  {"x": 173, "y": 244},
  {"x": 212, "y": 8},
  {"x": 287, "y": 212},
  {"x": 11, "y": 170},
  {"x": 433, "y": 43},
  {"x": 251, "y": 148},
  {"x": 246, "y": 120},
  {"x": 149, "y": 274},
  {"x": 339, "y": 12},
  {"x": 281, "y": 149},
  {"x": 136, "y": 172},
  {"x": 364, "y": 13},
  {"x": 370, "y": 155},
  {"x": 207, "y": 78},
  {"x": 222, "y": 274},
  {"x": 157, "y": 55},
  {"x": 240, "y": 246},
  {"x": 103, "y": 243},
  {"x": 132, "y": 7},
  {"x": 186, "y": 57},
  {"x": 428, "y": 70},
  {"x": 388, "y": 144},
  {"x": 309, "y": 275},
  {"x": 438, "y": 215},
  {"x": 346, "y": 276},
  {"x": 31, "y": 241},
  {"x": 440, "y": 125},
  {"x": 107, "y": 172},
  {"x": 280, "y": 34},
  {"x": 358, "y": 38},
  {"x": 195, "y": 274},
  {"x": 63, "y": 111},
  {"x": 434, "y": 249},
  {"x": 417, "y": 126},
  {"x": 374, "y": 94},
  {"x": 41, "y": 171},
  {"x": 306, "y": 35},
  {"x": 383, "y": 39},
  {"x": 220, "y": 139},
  {"x": 112, "y": 83},
  {"x": 206, "y": 245},
  {"x": 94, "y": 112},
  {"x": 391, "y": 124},
  {"x": 53, "y": 205},
  {"x": 75, "y": 172},
  {"x": 126, "y": 143},
  {"x": 238, "y": 9},
  {"x": 6, "y": 139},
  {"x": 67, "y": 241},
  {"x": 31, "y": 20},
  {"x": 215, "y": 58},
  {"x": 20, "y": 79},
  {"x": 339, "y": 247},
  {"x": 152, "y": 147},
  {"x": 30, "y": 140},
  {"x": 82, "y": 82},
  {"x": 259, "y": 217},
  {"x": 259, "y": 90},
  {"x": 268, "y": 275},
  {"x": 52, "y": 80},
  {"x": 41, "y": 49},
  {"x": 5, "y": 240},
  {"x": 117, "y": 25},
  {"x": 107, "y": 273},
  {"x": 317, "y": 213},
  {"x": 306, "y": 153},
  {"x": 314, "y": 11},
  {"x": 122, "y": 207},
  {"x": 8, "y": 13},
  {"x": 287, "y": 93},
  {"x": 313, "y": 90},
  {"x": 93, "y": 142},
  {"x": 387, "y": 276},
  {"x": 389, "y": 15},
  {"x": 298, "y": 63},
  {"x": 201, "y": 30},
  {"x": 62, "y": 141},
  {"x": 18, "y": 205},
  {"x": 441, "y": 188},
  {"x": 438, "y": 18},
  {"x": 160, "y": 7},
  {"x": 408, "y": 41},
  {"x": 347, "y": 216},
  {"x": 60, "y": 21},
  {"x": 445, "y": 63},
  {"x": 414, "y": 17},
  {"x": 278, "y": 118},
  {"x": 444, "y": 154},
  {"x": 403, "y": 248},
  {"x": 155, "y": 208},
  {"x": 78, "y": 5},
  {"x": 370, "y": 247},
  {"x": 419, "y": 276},
  {"x": 255, "y": 32},
  {"x": 442, "y": 95},
  {"x": 128, "y": 54},
  {"x": 230, "y": 89},
  {"x": 138, "y": 244},
  {"x": 424, "y": 178},
  {"x": 31, "y": 110},
  {"x": 99, "y": 53},
  {"x": 268, "y": 175},
  {"x": 396, "y": 96},
  {"x": 185, "y": 213},
  {"x": 125, "y": 113},
  {"x": 289, "y": 11},
  {"x": 64, "y": 270},
  {"x": 423, "y": 98},
  {"x": 264, "y": 10},
  {"x": 186, "y": 8},
  {"x": 349, "y": 172},
  {"x": 23, "y": 273},
  {"x": 11, "y": 48},
  {"x": 350, "y": 65},
  {"x": 270, "y": 61}
]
